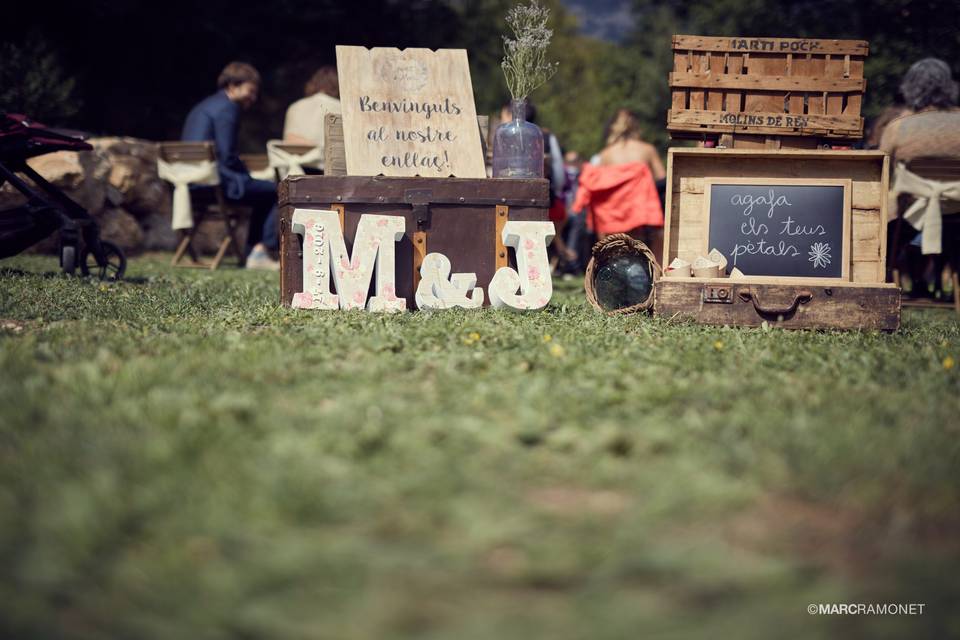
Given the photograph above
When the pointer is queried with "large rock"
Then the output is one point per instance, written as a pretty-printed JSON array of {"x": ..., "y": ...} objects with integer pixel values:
[
  {"x": 80, "y": 175},
  {"x": 158, "y": 235},
  {"x": 121, "y": 228},
  {"x": 133, "y": 174}
]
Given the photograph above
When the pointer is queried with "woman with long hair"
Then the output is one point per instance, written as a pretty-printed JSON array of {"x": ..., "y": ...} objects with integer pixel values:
[{"x": 619, "y": 190}]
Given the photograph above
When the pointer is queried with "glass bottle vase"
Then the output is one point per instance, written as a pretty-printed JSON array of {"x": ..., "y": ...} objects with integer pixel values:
[{"x": 518, "y": 146}]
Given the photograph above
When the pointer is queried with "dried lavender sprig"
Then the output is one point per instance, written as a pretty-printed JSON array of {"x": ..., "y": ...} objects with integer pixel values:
[{"x": 524, "y": 64}]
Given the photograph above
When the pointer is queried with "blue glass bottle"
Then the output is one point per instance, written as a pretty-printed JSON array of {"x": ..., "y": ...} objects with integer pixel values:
[{"x": 518, "y": 146}]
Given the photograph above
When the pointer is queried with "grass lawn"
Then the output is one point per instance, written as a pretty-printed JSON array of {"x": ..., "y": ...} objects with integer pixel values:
[{"x": 181, "y": 457}]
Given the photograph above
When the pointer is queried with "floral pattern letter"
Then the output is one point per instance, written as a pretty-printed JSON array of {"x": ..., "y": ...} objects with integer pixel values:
[
  {"x": 439, "y": 289},
  {"x": 325, "y": 254},
  {"x": 529, "y": 241}
]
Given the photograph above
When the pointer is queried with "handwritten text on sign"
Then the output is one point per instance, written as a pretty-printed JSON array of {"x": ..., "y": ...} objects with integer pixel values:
[
  {"x": 780, "y": 229},
  {"x": 409, "y": 113}
]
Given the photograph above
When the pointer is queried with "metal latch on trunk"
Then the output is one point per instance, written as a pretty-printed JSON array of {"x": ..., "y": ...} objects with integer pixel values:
[
  {"x": 419, "y": 200},
  {"x": 718, "y": 293}
]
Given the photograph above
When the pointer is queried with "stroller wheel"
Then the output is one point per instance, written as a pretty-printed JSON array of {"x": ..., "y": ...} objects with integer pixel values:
[
  {"x": 113, "y": 267},
  {"x": 68, "y": 259}
]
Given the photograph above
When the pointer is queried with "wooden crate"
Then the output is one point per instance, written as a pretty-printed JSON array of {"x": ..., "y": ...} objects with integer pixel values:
[
  {"x": 862, "y": 301},
  {"x": 459, "y": 217},
  {"x": 767, "y": 91}
]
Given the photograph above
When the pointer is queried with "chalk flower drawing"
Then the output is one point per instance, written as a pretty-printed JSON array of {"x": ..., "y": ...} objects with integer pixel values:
[{"x": 819, "y": 255}]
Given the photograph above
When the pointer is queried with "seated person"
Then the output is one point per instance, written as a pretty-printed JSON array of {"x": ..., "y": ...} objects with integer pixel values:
[
  {"x": 930, "y": 124},
  {"x": 304, "y": 122},
  {"x": 619, "y": 189},
  {"x": 929, "y": 127},
  {"x": 217, "y": 119}
]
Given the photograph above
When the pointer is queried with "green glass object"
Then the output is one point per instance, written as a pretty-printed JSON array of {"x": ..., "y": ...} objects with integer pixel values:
[{"x": 623, "y": 281}]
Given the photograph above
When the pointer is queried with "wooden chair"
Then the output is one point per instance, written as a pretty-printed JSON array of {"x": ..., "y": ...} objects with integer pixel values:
[
  {"x": 258, "y": 164},
  {"x": 294, "y": 149},
  {"x": 208, "y": 203},
  {"x": 931, "y": 168}
]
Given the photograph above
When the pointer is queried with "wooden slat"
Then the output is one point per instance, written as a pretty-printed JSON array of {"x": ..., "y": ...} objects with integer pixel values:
[
  {"x": 761, "y": 98},
  {"x": 772, "y": 45},
  {"x": 255, "y": 161},
  {"x": 834, "y": 69},
  {"x": 341, "y": 213},
  {"x": 764, "y": 122},
  {"x": 678, "y": 95},
  {"x": 816, "y": 67},
  {"x": 186, "y": 151},
  {"x": 734, "y": 96},
  {"x": 335, "y": 156},
  {"x": 698, "y": 69},
  {"x": 855, "y": 100},
  {"x": 867, "y": 195},
  {"x": 796, "y": 66},
  {"x": 946, "y": 169},
  {"x": 503, "y": 216},
  {"x": 419, "y": 253},
  {"x": 715, "y": 68},
  {"x": 765, "y": 82}
]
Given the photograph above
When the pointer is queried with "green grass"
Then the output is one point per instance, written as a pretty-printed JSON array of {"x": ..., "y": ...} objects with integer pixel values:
[{"x": 181, "y": 457}]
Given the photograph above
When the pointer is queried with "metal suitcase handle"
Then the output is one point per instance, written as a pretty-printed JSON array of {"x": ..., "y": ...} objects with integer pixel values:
[{"x": 802, "y": 296}]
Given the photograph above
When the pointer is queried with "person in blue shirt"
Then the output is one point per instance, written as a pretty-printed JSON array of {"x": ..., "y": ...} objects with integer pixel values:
[{"x": 217, "y": 119}]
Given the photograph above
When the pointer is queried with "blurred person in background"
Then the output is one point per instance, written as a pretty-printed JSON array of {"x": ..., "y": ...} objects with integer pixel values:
[
  {"x": 929, "y": 127},
  {"x": 619, "y": 191},
  {"x": 304, "y": 122},
  {"x": 217, "y": 119}
]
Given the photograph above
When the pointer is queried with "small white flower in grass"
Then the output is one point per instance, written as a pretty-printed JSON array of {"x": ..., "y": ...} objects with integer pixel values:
[{"x": 819, "y": 255}]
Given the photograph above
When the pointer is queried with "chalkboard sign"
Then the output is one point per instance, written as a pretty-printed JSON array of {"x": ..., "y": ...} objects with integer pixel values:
[{"x": 780, "y": 227}]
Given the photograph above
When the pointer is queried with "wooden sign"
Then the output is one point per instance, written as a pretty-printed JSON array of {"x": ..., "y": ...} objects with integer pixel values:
[
  {"x": 409, "y": 113},
  {"x": 780, "y": 227}
]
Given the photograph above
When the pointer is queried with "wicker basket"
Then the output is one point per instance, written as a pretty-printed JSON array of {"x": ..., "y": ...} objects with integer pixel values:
[{"x": 608, "y": 249}]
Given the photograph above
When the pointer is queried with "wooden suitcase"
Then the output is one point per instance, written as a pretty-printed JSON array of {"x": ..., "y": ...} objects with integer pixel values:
[
  {"x": 861, "y": 301},
  {"x": 461, "y": 218}
]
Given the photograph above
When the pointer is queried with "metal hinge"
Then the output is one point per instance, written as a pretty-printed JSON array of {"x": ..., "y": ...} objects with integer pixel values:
[{"x": 420, "y": 201}]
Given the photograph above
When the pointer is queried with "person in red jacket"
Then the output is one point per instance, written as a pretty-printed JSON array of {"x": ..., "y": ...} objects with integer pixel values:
[{"x": 619, "y": 190}]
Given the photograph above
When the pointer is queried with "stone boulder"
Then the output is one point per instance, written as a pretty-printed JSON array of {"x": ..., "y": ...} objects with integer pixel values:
[
  {"x": 133, "y": 176},
  {"x": 121, "y": 228},
  {"x": 80, "y": 175}
]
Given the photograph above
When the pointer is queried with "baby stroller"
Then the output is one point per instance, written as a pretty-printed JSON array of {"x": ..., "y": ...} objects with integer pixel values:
[{"x": 47, "y": 208}]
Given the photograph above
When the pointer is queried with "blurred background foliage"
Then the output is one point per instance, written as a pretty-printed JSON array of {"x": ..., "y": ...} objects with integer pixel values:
[{"x": 136, "y": 67}]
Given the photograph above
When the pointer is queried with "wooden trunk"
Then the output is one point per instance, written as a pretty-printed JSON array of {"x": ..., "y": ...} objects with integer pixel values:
[
  {"x": 862, "y": 301},
  {"x": 781, "y": 88},
  {"x": 461, "y": 218}
]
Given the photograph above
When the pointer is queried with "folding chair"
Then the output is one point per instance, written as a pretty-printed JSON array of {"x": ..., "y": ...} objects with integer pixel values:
[
  {"x": 258, "y": 164},
  {"x": 940, "y": 170},
  {"x": 289, "y": 159},
  {"x": 207, "y": 203}
]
